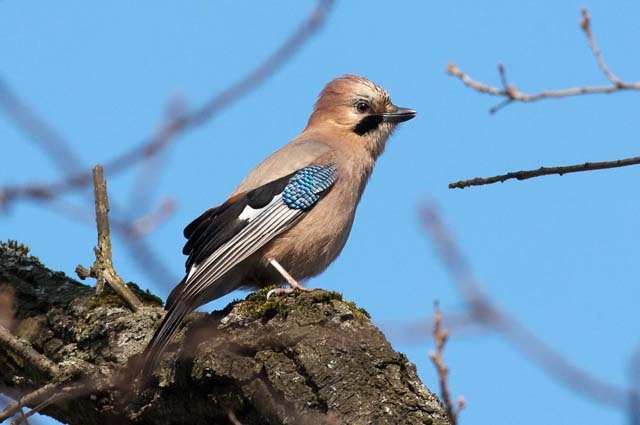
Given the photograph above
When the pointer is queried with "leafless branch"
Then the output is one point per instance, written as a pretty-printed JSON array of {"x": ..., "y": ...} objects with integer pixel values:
[
  {"x": 39, "y": 362},
  {"x": 36, "y": 396},
  {"x": 440, "y": 336},
  {"x": 37, "y": 130},
  {"x": 545, "y": 171},
  {"x": 44, "y": 396},
  {"x": 510, "y": 93},
  {"x": 585, "y": 24},
  {"x": 488, "y": 314},
  {"x": 103, "y": 269}
]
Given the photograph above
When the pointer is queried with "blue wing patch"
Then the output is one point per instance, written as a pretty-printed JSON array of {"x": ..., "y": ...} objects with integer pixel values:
[{"x": 307, "y": 184}]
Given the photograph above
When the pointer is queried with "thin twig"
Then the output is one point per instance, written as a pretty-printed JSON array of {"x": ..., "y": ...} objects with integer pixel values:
[
  {"x": 38, "y": 361},
  {"x": 62, "y": 394},
  {"x": 23, "y": 418},
  {"x": 488, "y": 314},
  {"x": 74, "y": 380},
  {"x": 585, "y": 24},
  {"x": 440, "y": 336},
  {"x": 102, "y": 270},
  {"x": 33, "y": 397},
  {"x": 131, "y": 233},
  {"x": 545, "y": 171},
  {"x": 48, "y": 394},
  {"x": 511, "y": 94}
]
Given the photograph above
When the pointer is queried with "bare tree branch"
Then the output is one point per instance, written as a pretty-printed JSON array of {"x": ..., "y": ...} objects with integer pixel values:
[
  {"x": 512, "y": 94},
  {"x": 38, "y": 131},
  {"x": 545, "y": 171},
  {"x": 103, "y": 269},
  {"x": 440, "y": 336},
  {"x": 585, "y": 24},
  {"x": 39, "y": 362},
  {"x": 488, "y": 314}
]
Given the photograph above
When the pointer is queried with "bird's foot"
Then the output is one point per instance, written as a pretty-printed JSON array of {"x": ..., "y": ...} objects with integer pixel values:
[
  {"x": 295, "y": 286},
  {"x": 286, "y": 291}
]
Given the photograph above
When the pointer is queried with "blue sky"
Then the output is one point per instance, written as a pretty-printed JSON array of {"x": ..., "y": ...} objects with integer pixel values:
[{"x": 558, "y": 253}]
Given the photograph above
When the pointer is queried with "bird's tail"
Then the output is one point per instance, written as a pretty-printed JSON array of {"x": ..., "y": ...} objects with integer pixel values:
[{"x": 172, "y": 320}]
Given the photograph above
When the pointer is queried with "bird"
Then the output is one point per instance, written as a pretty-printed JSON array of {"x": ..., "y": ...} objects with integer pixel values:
[{"x": 290, "y": 217}]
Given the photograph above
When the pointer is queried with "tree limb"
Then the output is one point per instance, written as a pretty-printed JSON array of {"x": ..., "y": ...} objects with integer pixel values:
[{"x": 309, "y": 359}]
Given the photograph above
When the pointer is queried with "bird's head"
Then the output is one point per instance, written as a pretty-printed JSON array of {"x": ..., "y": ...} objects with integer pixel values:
[{"x": 358, "y": 111}]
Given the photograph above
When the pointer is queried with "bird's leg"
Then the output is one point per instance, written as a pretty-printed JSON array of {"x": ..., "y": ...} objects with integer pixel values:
[{"x": 290, "y": 280}]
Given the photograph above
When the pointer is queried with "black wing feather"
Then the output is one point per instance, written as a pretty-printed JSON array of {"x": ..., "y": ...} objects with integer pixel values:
[{"x": 218, "y": 225}]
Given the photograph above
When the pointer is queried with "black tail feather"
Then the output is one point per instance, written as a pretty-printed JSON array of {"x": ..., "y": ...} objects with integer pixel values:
[{"x": 157, "y": 345}]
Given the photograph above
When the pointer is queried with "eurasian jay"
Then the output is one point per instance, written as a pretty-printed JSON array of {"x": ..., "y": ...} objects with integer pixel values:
[{"x": 291, "y": 215}]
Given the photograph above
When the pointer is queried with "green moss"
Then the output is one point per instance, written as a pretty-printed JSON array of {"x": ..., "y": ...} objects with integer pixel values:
[
  {"x": 322, "y": 296},
  {"x": 257, "y": 307},
  {"x": 17, "y": 359},
  {"x": 104, "y": 299},
  {"x": 261, "y": 294}
]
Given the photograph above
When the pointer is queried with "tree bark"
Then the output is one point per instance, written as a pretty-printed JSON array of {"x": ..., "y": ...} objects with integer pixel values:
[{"x": 312, "y": 358}]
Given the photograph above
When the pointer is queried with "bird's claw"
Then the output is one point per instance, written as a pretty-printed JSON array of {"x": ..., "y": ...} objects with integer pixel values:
[{"x": 287, "y": 291}]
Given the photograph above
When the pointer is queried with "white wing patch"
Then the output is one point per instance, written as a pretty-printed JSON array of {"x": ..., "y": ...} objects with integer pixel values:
[
  {"x": 249, "y": 213},
  {"x": 269, "y": 221}
]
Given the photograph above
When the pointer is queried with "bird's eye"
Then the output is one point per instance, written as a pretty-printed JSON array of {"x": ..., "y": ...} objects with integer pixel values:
[{"x": 362, "y": 107}]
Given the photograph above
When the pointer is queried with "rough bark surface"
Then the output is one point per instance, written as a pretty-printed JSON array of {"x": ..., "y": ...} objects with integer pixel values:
[{"x": 307, "y": 359}]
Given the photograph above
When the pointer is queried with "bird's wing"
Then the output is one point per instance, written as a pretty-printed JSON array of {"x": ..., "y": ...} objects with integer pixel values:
[{"x": 224, "y": 236}]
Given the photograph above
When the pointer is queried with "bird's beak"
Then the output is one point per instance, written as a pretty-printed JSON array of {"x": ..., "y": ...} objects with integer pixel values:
[{"x": 399, "y": 115}]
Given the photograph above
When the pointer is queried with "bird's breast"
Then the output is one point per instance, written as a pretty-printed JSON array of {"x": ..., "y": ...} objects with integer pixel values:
[{"x": 318, "y": 238}]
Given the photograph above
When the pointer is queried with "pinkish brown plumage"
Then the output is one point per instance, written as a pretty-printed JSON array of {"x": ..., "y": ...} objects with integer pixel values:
[{"x": 291, "y": 215}]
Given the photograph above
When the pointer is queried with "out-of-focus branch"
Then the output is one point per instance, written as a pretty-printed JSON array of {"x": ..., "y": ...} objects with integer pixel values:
[
  {"x": 36, "y": 129},
  {"x": 26, "y": 352},
  {"x": 488, "y": 314},
  {"x": 440, "y": 336},
  {"x": 545, "y": 171},
  {"x": 634, "y": 396},
  {"x": 180, "y": 123},
  {"x": 103, "y": 269},
  {"x": 512, "y": 94}
]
